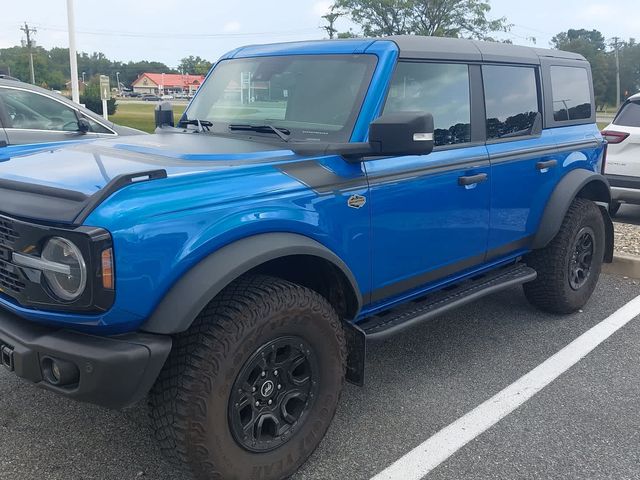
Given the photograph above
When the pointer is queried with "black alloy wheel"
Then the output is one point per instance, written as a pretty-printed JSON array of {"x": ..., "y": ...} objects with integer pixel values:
[
  {"x": 273, "y": 393},
  {"x": 583, "y": 249}
]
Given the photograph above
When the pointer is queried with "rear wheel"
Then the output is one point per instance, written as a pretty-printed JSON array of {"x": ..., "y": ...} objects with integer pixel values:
[
  {"x": 568, "y": 268},
  {"x": 251, "y": 388}
]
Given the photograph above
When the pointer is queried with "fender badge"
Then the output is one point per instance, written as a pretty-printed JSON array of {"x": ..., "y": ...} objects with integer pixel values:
[{"x": 356, "y": 201}]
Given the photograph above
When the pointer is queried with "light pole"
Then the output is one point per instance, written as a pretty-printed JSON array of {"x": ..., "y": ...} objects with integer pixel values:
[
  {"x": 73, "y": 59},
  {"x": 118, "y": 81},
  {"x": 83, "y": 77}
]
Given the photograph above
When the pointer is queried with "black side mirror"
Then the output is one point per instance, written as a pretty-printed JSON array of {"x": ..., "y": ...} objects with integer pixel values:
[
  {"x": 404, "y": 133},
  {"x": 164, "y": 115},
  {"x": 83, "y": 125}
]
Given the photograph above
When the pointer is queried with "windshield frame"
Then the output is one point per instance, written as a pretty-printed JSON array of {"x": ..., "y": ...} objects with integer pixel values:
[{"x": 311, "y": 133}]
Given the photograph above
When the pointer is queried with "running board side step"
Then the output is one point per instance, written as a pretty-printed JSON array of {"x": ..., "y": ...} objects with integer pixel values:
[{"x": 390, "y": 322}]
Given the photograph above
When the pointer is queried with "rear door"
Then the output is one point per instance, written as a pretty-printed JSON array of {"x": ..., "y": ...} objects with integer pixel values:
[{"x": 524, "y": 161}]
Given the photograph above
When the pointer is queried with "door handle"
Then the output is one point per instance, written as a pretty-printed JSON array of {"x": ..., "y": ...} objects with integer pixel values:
[
  {"x": 472, "y": 179},
  {"x": 546, "y": 165}
]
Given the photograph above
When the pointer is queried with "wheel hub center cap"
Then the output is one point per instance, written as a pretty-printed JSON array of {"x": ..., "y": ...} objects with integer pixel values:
[{"x": 267, "y": 388}]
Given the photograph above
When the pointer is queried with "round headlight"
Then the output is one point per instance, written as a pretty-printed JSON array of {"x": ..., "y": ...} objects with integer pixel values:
[{"x": 67, "y": 286}]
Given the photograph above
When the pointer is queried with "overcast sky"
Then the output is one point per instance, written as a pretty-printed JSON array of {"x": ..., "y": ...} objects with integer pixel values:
[{"x": 168, "y": 30}]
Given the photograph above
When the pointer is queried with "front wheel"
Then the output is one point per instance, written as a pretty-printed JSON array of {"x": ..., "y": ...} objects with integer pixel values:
[
  {"x": 251, "y": 388},
  {"x": 568, "y": 268}
]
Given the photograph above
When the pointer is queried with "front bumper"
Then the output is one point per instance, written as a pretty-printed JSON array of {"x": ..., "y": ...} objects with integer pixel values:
[{"x": 113, "y": 371}]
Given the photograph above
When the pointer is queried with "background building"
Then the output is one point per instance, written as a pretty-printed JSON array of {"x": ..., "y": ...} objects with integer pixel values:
[{"x": 159, "y": 83}]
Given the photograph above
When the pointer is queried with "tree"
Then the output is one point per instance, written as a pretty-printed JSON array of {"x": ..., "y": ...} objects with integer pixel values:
[
  {"x": 91, "y": 99},
  {"x": 592, "y": 46},
  {"x": 331, "y": 19},
  {"x": 443, "y": 18},
  {"x": 194, "y": 65}
]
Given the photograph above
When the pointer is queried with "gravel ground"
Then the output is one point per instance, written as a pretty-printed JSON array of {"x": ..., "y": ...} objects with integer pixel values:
[{"x": 627, "y": 238}]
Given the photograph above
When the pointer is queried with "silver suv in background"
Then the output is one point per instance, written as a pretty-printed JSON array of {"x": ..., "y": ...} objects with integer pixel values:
[
  {"x": 623, "y": 154},
  {"x": 32, "y": 115}
]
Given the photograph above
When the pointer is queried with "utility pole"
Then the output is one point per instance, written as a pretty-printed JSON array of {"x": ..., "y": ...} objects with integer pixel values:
[
  {"x": 73, "y": 59},
  {"x": 28, "y": 31},
  {"x": 615, "y": 46}
]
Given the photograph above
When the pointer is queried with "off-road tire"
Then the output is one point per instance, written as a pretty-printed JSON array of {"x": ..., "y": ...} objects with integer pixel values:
[
  {"x": 189, "y": 404},
  {"x": 552, "y": 291}
]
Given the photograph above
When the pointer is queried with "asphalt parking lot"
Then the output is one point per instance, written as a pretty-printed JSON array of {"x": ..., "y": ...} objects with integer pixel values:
[{"x": 586, "y": 424}]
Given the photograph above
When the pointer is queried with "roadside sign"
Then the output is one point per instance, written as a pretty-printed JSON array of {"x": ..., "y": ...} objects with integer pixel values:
[
  {"x": 105, "y": 94},
  {"x": 105, "y": 89}
]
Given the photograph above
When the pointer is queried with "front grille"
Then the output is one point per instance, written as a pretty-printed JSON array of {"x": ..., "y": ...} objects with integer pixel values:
[
  {"x": 8, "y": 234},
  {"x": 9, "y": 280}
]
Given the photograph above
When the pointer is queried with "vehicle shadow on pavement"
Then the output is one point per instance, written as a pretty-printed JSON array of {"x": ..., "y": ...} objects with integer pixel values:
[{"x": 417, "y": 383}]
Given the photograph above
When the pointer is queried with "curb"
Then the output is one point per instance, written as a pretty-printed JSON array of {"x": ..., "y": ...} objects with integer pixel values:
[{"x": 625, "y": 265}]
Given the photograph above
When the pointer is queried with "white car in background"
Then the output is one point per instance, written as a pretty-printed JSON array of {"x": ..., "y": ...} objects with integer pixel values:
[{"x": 623, "y": 154}]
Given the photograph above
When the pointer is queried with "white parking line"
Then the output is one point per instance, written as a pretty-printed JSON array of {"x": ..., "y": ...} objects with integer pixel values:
[{"x": 435, "y": 450}]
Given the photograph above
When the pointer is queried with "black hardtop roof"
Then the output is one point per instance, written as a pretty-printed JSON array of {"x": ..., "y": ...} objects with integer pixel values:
[{"x": 444, "y": 48}]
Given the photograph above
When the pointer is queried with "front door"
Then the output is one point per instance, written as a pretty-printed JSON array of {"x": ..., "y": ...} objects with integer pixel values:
[
  {"x": 35, "y": 118},
  {"x": 430, "y": 213}
]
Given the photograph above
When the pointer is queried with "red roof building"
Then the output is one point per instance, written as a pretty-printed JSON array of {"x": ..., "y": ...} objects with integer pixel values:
[{"x": 158, "y": 83}]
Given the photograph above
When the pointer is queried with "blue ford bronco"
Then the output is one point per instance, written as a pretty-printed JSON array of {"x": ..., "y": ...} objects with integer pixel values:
[{"x": 315, "y": 197}]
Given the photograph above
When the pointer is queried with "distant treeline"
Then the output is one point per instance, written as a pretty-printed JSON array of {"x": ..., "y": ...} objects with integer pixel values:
[{"x": 52, "y": 66}]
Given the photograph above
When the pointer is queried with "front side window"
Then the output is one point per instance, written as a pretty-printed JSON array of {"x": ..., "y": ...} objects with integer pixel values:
[
  {"x": 511, "y": 98},
  {"x": 28, "y": 110},
  {"x": 571, "y": 93},
  {"x": 438, "y": 88},
  {"x": 314, "y": 97}
]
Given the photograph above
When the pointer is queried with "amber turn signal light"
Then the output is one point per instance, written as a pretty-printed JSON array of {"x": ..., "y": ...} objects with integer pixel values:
[{"x": 107, "y": 268}]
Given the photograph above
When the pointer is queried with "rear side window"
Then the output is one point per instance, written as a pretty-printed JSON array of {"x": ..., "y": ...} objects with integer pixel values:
[
  {"x": 441, "y": 89},
  {"x": 629, "y": 115},
  {"x": 571, "y": 93},
  {"x": 511, "y": 96}
]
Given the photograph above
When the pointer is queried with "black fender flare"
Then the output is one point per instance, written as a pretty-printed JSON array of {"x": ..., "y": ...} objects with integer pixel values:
[
  {"x": 198, "y": 286},
  {"x": 577, "y": 183}
]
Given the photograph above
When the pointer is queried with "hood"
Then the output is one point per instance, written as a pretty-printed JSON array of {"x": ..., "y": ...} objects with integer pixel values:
[{"x": 58, "y": 183}]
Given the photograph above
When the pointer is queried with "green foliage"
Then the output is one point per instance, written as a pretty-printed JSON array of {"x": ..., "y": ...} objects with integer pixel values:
[
  {"x": 592, "y": 45},
  {"x": 194, "y": 65},
  {"x": 442, "y": 18},
  {"x": 52, "y": 66},
  {"x": 91, "y": 99}
]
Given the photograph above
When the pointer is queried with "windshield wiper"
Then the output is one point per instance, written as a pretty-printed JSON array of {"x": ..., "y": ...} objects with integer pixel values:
[
  {"x": 201, "y": 124},
  {"x": 283, "y": 133}
]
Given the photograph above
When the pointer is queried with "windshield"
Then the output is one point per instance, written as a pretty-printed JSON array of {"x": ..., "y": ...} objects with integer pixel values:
[{"x": 314, "y": 97}]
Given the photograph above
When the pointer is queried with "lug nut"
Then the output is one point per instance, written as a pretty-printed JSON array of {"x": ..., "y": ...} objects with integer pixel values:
[
  {"x": 275, "y": 372},
  {"x": 264, "y": 374},
  {"x": 257, "y": 404},
  {"x": 279, "y": 387},
  {"x": 253, "y": 389},
  {"x": 270, "y": 402}
]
